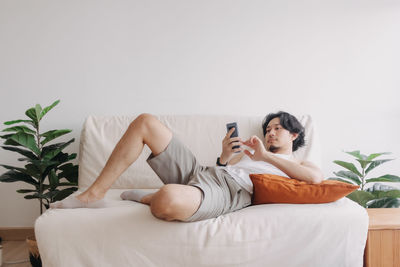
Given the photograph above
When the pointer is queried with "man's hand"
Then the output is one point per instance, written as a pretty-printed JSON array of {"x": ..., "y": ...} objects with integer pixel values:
[
  {"x": 303, "y": 171},
  {"x": 260, "y": 153},
  {"x": 227, "y": 147}
]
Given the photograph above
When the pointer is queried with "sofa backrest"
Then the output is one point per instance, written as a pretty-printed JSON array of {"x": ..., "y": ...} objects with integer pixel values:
[{"x": 202, "y": 134}]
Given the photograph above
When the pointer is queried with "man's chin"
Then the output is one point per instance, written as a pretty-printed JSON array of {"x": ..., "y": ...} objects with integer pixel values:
[{"x": 273, "y": 149}]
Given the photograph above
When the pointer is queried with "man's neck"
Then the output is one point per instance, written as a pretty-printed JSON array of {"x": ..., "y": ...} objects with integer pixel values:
[{"x": 282, "y": 151}]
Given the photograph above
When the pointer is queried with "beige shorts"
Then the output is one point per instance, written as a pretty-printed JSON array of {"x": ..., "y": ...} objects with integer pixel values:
[{"x": 221, "y": 193}]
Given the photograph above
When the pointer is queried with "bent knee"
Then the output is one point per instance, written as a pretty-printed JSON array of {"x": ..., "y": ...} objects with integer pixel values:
[
  {"x": 165, "y": 204},
  {"x": 143, "y": 118},
  {"x": 144, "y": 122}
]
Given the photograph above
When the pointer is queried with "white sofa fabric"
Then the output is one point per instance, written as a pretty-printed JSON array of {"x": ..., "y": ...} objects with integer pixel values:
[{"x": 127, "y": 234}]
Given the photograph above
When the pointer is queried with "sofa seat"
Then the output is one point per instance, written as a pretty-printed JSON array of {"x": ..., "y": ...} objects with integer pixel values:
[{"x": 127, "y": 234}]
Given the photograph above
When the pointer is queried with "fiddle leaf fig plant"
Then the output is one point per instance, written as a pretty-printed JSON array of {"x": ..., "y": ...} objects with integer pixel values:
[
  {"x": 48, "y": 171},
  {"x": 372, "y": 194}
]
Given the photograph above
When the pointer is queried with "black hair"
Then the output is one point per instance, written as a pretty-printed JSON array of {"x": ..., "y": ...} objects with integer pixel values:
[{"x": 290, "y": 123}]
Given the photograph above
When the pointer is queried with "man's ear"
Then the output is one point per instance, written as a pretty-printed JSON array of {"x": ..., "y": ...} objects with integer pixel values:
[{"x": 294, "y": 136}]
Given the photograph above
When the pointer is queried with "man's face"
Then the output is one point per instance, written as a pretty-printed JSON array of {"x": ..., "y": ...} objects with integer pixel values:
[{"x": 277, "y": 138}]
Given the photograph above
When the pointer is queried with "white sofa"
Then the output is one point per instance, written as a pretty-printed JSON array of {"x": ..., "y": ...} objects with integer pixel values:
[{"x": 126, "y": 233}]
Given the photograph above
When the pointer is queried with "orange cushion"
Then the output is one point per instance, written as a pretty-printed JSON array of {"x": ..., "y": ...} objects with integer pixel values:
[{"x": 270, "y": 188}]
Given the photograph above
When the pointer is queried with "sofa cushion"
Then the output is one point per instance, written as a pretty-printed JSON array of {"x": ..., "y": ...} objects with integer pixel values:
[
  {"x": 277, "y": 235},
  {"x": 270, "y": 188}
]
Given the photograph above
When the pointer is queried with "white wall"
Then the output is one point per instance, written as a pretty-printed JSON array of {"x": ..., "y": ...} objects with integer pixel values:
[{"x": 337, "y": 60}]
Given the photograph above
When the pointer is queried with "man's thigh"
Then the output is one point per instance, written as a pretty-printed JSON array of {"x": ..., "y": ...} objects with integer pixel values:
[
  {"x": 176, "y": 202},
  {"x": 175, "y": 165}
]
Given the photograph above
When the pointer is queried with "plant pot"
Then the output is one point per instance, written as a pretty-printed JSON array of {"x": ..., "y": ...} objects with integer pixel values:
[{"x": 34, "y": 255}]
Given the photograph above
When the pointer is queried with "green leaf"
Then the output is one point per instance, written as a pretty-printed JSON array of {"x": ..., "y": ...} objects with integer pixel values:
[
  {"x": 47, "y": 109},
  {"x": 375, "y": 155},
  {"x": 364, "y": 163},
  {"x": 348, "y": 175},
  {"x": 14, "y": 176},
  {"x": 31, "y": 113},
  {"x": 11, "y": 167},
  {"x": 45, "y": 187},
  {"x": 64, "y": 193},
  {"x": 43, "y": 164},
  {"x": 26, "y": 140},
  {"x": 69, "y": 172},
  {"x": 56, "y": 146},
  {"x": 33, "y": 171},
  {"x": 23, "y": 152},
  {"x": 357, "y": 154},
  {"x": 49, "y": 152},
  {"x": 375, "y": 164},
  {"x": 51, "y": 193},
  {"x": 68, "y": 184},
  {"x": 26, "y": 171},
  {"x": 36, "y": 195},
  {"x": 59, "y": 159},
  {"x": 53, "y": 134},
  {"x": 20, "y": 128},
  {"x": 53, "y": 179},
  {"x": 64, "y": 157},
  {"x": 386, "y": 202},
  {"x": 349, "y": 166},
  {"x": 341, "y": 180},
  {"x": 391, "y": 193},
  {"x": 361, "y": 197},
  {"x": 10, "y": 142},
  {"x": 38, "y": 110},
  {"x": 24, "y": 191},
  {"x": 72, "y": 156},
  {"x": 385, "y": 178},
  {"x": 6, "y": 136},
  {"x": 380, "y": 187},
  {"x": 18, "y": 121}
]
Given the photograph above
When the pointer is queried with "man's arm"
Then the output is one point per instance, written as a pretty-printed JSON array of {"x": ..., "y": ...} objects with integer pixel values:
[
  {"x": 304, "y": 171},
  {"x": 233, "y": 160},
  {"x": 229, "y": 155},
  {"x": 236, "y": 159}
]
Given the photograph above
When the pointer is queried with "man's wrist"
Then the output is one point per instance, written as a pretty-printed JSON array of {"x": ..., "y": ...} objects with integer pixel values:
[
  {"x": 223, "y": 159},
  {"x": 221, "y": 163},
  {"x": 267, "y": 156}
]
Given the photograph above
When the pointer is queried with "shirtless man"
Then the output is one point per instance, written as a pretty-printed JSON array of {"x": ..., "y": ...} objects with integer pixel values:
[{"x": 193, "y": 192}]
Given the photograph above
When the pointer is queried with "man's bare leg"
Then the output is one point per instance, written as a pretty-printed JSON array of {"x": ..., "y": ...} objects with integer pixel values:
[
  {"x": 171, "y": 202},
  {"x": 145, "y": 129},
  {"x": 174, "y": 202}
]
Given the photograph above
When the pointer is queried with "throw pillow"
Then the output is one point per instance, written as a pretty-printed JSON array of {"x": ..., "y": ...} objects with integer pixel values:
[{"x": 269, "y": 188}]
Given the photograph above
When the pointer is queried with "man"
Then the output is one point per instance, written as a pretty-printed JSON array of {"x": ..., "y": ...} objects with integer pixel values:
[{"x": 193, "y": 192}]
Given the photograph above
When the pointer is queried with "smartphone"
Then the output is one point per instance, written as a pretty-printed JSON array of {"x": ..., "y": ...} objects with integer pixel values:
[{"x": 235, "y": 132}]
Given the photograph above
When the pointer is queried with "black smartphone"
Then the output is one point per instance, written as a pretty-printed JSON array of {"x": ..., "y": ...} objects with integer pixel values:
[{"x": 235, "y": 133}]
